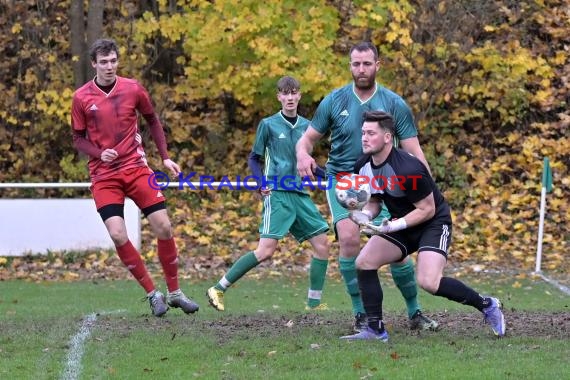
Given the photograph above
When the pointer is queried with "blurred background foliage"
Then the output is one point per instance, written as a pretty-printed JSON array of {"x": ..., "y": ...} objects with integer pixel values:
[{"x": 488, "y": 83}]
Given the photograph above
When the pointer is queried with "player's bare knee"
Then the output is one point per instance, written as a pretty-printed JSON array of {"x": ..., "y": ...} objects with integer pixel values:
[
  {"x": 322, "y": 249},
  {"x": 322, "y": 254},
  {"x": 349, "y": 246},
  {"x": 119, "y": 237},
  {"x": 359, "y": 263},
  {"x": 163, "y": 230},
  {"x": 363, "y": 262},
  {"x": 263, "y": 254},
  {"x": 428, "y": 283},
  {"x": 165, "y": 234}
]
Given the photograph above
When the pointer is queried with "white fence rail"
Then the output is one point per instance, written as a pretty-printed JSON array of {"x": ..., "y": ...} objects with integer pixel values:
[{"x": 37, "y": 226}]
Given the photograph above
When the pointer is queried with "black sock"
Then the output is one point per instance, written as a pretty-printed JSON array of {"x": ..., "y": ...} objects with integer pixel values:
[
  {"x": 457, "y": 291},
  {"x": 375, "y": 324},
  {"x": 372, "y": 297}
]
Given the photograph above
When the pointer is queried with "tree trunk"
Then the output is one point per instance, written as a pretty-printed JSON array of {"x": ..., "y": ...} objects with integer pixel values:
[
  {"x": 94, "y": 29},
  {"x": 77, "y": 31}
]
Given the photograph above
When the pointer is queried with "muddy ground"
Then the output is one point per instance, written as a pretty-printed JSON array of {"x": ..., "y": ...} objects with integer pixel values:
[{"x": 545, "y": 325}]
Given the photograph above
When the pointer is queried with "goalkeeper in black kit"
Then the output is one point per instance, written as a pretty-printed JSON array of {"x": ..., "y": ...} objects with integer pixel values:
[{"x": 422, "y": 223}]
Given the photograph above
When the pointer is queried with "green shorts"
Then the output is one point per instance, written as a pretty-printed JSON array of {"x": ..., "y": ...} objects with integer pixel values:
[
  {"x": 290, "y": 211},
  {"x": 339, "y": 213}
]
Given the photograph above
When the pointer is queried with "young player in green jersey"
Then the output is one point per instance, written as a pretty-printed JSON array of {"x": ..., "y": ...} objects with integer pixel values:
[
  {"x": 287, "y": 207},
  {"x": 340, "y": 114}
]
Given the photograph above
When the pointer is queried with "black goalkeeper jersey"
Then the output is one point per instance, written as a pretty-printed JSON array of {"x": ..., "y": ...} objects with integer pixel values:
[{"x": 401, "y": 181}]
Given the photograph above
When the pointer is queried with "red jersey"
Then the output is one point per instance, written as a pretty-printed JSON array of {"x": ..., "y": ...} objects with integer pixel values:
[{"x": 109, "y": 121}]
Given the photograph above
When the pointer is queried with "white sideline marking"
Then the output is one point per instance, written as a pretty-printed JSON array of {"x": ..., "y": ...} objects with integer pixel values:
[
  {"x": 76, "y": 345},
  {"x": 73, "y": 366},
  {"x": 562, "y": 288}
]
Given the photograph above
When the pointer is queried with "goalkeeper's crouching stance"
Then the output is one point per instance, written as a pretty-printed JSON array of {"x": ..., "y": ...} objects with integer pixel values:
[
  {"x": 284, "y": 209},
  {"x": 423, "y": 224}
]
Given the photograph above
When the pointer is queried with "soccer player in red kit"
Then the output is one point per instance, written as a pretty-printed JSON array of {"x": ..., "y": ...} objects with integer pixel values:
[{"x": 104, "y": 120}]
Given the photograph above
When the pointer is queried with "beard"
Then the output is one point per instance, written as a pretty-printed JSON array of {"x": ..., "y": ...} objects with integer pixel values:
[
  {"x": 370, "y": 150},
  {"x": 364, "y": 83},
  {"x": 374, "y": 150}
]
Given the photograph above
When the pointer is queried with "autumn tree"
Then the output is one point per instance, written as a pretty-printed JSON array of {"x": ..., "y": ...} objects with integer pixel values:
[
  {"x": 487, "y": 81},
  {"x": 83, "y": 32}
]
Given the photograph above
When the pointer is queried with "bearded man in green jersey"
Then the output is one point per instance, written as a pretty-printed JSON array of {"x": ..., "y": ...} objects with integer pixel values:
[{"x": 340, "y": 114}]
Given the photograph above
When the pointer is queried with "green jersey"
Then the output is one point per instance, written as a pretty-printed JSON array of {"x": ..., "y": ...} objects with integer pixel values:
[
  {"x": 275, "y": 140},
  {"x": 341, "y": 112}
]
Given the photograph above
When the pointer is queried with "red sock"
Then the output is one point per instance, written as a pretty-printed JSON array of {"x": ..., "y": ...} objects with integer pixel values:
[
  {"x": 134, "y": 263},
  {"x": 168, "y": 257}
]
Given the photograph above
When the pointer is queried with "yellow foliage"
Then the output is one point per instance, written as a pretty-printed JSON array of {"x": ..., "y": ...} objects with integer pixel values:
[
  {"x": 16, "y": 28},
  {"x": 487, "y": 91},
  {"x": 204, "y": 240}
]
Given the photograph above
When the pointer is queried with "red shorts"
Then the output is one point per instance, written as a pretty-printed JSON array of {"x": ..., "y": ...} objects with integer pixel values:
[{"x": 132, "y": 183}]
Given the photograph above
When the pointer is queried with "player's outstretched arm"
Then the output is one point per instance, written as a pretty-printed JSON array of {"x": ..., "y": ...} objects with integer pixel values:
[
  {"x": 306, "y": 164},
  {"x": 424, "y": 211}
]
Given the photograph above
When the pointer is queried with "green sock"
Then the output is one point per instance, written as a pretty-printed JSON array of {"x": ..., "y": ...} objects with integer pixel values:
[
  {"x": 317, "y": 274},
  {"x": 405, "y": 279},
  {"x": 348, "y": 272},
  {"x": 243, "y": 265}
]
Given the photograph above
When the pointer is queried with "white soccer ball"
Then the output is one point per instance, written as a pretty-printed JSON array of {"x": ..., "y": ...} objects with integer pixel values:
[{"x": 352, "y": 192}]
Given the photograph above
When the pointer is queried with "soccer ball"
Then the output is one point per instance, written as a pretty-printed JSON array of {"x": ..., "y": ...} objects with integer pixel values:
[{"x": 351, "y": 193}]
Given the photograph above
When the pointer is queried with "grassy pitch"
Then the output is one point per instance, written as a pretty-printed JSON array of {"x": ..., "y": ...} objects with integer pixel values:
[{"x": 100, "y": 330}]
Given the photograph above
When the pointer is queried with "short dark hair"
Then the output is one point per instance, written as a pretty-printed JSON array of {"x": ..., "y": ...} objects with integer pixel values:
[
  {"x": 103, "y": 46},
  {"x": 288, "y": 84},
  {"x": 363, "y": 46},
  {"x": 384, "y": 120}
]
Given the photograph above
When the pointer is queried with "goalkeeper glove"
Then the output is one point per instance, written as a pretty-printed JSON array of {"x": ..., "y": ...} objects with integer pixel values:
[
  {"x": 362, "y": 218},
  {"x": 385, "y": 227}
]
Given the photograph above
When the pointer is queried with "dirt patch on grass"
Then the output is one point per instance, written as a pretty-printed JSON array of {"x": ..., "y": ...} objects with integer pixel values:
[
  {"x": 519, "y": 323},
  {"x": 531, "y": 324},
  {"x": 545, "y": 325}
]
